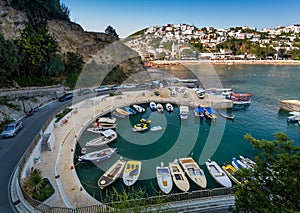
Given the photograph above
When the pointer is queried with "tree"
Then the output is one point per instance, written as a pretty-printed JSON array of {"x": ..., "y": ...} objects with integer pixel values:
[
  {"x": 273, "y": 186},
  {"x": 111, "y": 31},
  {"x": 9, "y": 61}
]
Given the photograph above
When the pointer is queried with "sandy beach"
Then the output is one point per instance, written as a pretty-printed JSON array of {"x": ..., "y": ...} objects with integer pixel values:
[{"x": 221, "y": 62}]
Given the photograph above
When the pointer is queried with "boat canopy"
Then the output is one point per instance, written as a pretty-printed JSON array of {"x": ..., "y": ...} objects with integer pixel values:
[{"x": 108, "y": 133}]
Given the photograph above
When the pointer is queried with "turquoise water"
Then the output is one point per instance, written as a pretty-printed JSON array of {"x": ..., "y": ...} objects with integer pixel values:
[{"x": 220, "y": 140}]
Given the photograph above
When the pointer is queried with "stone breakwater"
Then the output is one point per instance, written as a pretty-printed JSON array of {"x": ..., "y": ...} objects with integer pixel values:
[
  {"x": 221, "y": 62},
  {"x": 290, "y": 105}
]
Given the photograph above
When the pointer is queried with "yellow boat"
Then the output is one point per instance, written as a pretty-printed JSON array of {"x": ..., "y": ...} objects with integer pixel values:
[
  {"x": 140, "y": 127},
  {"x": 131, "y": 172},
  {"x": 230, "y": 171}
]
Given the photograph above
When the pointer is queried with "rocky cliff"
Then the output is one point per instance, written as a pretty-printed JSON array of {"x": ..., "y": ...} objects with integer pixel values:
[{"x": 69, "y": 35}]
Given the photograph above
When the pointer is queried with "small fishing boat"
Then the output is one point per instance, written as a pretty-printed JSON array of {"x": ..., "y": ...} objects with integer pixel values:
[
  {"x": 184, "y": 112},
  {"x": 217, "y": 173},
  {"x": 140, "y": 127},
  {"x": 97, "y": 156},
  {"x": 164, "y": 178},
  {"x": 145, "y": 121},
  {"x": 180, "y": 180},
  {"x": 159, "y": 107},
  {"x": 106, "y": 120},
  {"x": 112, "y": 174},
  {"x": 122, "y": 111},
  {"x": 210, "y": 113},
  {"x": 248, "y": 162},
  {"x": 230, "y": 171},
  {"x": 138, "y": 108},
  {"x": 169, "y": 107},
  {"x": 240, "y": 99},
  {"x": 238, "y": 164},
  {"x": 105, "y": 123},
  {"x": 130, "y": 110},
  {"x": 152, "y": 106},
  {"x": 105, "y": 126},
  {"x": 199, "y": 112},
  {"x": 97, "y": 130},
  {"x": 193, "y": 171},
  {"x": 106, "y": 137},
  {"x": 294, "y": 117},
  {"x": 131, "y": 172},
  {"x": 115, "y": 113},
  {"x": 156, "y": 128},
  {"x": 225, "y": 115}
]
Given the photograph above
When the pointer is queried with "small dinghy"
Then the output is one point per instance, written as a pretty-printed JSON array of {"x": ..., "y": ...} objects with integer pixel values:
[
  {"x": 169, "y": 107},
  {"x": 138, "y": 108},
  {"x": 130, "y": 110},
  {"x": 112, "y": 174},
  {"x": 178, "y": 177},
  {"x": 97, "y": 156},
  {"x": 218, "y": 174},
  {"x": 152, "y": 106},
  {"x": 164, "y": 178},
  {"x": 156, "y": 128},
  {"x": 131, "y": 172},
  {"x": 159, "y": 107},
  {"x": 106, "y": 137}
]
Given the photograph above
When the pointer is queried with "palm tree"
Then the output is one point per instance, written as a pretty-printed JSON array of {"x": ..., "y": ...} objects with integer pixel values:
[{"x": 34, "y": 182}]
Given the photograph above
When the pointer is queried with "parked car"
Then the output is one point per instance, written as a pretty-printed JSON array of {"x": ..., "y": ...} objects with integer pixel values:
[
  {"x": 116, "y": 87},
  {"x": 12, "y": 129},
  {"x": 129, "y": 86},
  {"x": 102, "y": 89},
  {"x": 65, "y": 97},
  {"x": 84, "y": 92}
]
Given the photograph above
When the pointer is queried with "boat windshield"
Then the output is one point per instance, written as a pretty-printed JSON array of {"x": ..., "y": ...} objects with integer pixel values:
[{"x": 163, "y": 170}]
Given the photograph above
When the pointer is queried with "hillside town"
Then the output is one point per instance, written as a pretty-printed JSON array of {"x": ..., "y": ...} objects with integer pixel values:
[{"x": 183, "y": 41}]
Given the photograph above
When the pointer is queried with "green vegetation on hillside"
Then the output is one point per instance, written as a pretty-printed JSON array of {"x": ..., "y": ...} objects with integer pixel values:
[
  {"x": 39, "y": 10},
  {"x": 273, "y": 186},
  {"x": 35, "y": 60}
]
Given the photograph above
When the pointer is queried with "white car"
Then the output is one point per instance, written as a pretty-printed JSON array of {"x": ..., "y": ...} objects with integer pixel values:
[
  {"x": 102, "y": 89},
  {"x": 12, "y": 129},
  {"x": 129, "y": 86}
]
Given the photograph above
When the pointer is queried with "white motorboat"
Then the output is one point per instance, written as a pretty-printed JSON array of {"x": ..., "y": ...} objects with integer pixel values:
[
  {"x": 217, "y": 173},
  {"x": 106, "y": 137},
  {"x": 131, "y": 172},
  {"x": 184, "y": 112},
  {"x": 159, "y": 107},
  {"x": 138, "y": 108},
  {"x": 112, "y": 174},
  {"x": 178, "y": 177},
  {"x": 106, "y": 120},
  {"x": 156, "y": 128},
  {"x": 164, "y": 178},
  {"x": 238, "y": 164},
  {"x": 169, "y": 107},
  {"x": 97, "y": 130},
  {"x": 193, "y": 171},
  {"x": 152, "y": 105},
  {"x": 248, "y": 162},
  {"x": 98, "y": 156}
]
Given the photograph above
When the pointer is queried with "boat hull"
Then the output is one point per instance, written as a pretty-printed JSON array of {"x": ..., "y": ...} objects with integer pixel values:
[{"x": 131, "y": 172}]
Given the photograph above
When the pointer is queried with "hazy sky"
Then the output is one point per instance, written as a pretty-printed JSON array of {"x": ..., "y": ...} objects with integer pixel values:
[{"x": 133, "y": 15}]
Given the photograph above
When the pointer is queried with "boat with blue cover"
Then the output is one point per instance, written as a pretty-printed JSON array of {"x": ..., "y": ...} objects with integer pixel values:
[{"x": 130, "y": 110}]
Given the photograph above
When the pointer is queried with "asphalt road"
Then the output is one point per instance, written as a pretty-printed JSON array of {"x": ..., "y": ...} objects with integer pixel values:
[{"x": 12, "y": 149}]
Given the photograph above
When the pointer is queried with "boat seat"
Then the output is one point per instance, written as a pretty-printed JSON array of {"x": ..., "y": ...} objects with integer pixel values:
[{"x": 219, "y": 174}]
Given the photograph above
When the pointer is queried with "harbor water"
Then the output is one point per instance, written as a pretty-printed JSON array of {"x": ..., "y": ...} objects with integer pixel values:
[{"x": 201, "y": 139}]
